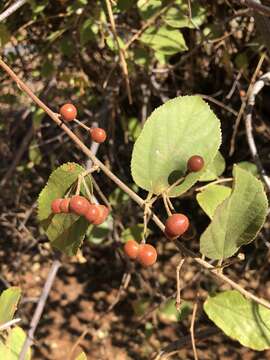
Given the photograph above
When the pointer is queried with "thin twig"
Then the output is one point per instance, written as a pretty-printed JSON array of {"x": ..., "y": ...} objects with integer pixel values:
[
  {"x": 11, "y": 9},
  {"x": 168, "y": 210},
  {"x": 218, "y": 181},
  {"x": 39, "y": 309},
  {"x": 120, "y": 50},
  {"x": 8, "y": 324},
  {"x": 178, "y": 283},
  {"x": 100, "y": 193},
  {"x": 256, "y": 6},
  {"x": 177, "y": 345},
  {"x": 243, "y": 105},
  {"x": 126, "y": 189},
  {"x": 193, "y": 318},
  {"x": 219, "y": 103},
  {"x": 264, "y": 80}
]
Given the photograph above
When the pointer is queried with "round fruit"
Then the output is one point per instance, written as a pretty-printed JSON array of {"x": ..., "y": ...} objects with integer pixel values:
[
  {"x": 195, "y": 163},
  {"x": 98, "y": 135},
  {"x": 102, "y": 216},
  {"x": 64, "y": 205},
  {"x": 79, "y": 205},
  {"x": 68, "y": 112},
  {"x": 131, "y": 249},
  {"x": 176, "y": 225},
  {"x": 147, "y": 255},
  {"x": 55, "y": 206},
  {"x": 92, "y": 213}
]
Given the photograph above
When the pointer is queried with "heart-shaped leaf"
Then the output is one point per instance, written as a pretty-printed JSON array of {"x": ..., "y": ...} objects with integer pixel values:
[
  {"x": 175, "y": 131},
  {"x": 241, "y": 319},
  {"x": 238, "y": 219}
]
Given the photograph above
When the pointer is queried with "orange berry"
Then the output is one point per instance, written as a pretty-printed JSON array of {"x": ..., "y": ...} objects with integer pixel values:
[
  {"x": 103, "y": 214},
  {"x": 68, "y": 112},
  {"x": 64, "y": 205},
  {"x": 176, "y": 225},
  {"x": 55, "y": 206},
  {"x": 195, "y": 163},
  {"x": 79, "y": 205},
  {"x": 98, "y": 135},
  {"x": 92, "y": 213},
  {"x": 131, "y": 249},
  {"x": 147, "y": 255}
]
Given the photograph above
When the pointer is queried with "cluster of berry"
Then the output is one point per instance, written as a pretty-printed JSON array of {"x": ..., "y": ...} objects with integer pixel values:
[
  {"x": 175, "y": 226},
  {"x": 69, "y": 112},
  {"x": 96, "y": 214},
  {"x": 146, "y": 254}
]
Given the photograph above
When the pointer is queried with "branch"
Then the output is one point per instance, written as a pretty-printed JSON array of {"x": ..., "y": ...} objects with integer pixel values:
[
  {"x": 177, "y": 345},
  {"x": 11, "y": 9},
  {"x": 54, "y": 116},
  {"x": 256, "y": 6},
  {"x": 39, "y": 309},
  {"x": 121, "y": 51},
  {"x": 264, "y": 80}
]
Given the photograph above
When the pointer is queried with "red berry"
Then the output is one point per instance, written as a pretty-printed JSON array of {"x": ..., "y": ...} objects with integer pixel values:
[
  {"x": 147, "y": 255},
  {"x": 68, "y": 112},
  {"x": 98, "y": 135},
  {"x": 64, "y": 205},
  {"x": 131, "y": 249},
  {"x": 79, "y": 205},
  {"x": 92, "y": 213},
  {"x": 176, "y": 225},
  {"x": 195, "y": 163},
  {"x": 103, "y": 214},
  {"x": 55, "y": 206}
]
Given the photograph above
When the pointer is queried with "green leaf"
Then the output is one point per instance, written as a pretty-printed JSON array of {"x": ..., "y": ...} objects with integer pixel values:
[
  {"x": 13, "y": 346},
  {"x": 238, "y": 219},
  {"x": 4, "y": 35},
  {"x": 169, "y": 313},
  {"x": 134, "y": 128},
  {"x": 177, "y": 15},
  {"x": 215, "y": 169},
  {"x": 65, "y": 231},
  {"x": 8, "y": 303},
  {"x": 134, "y": 232},
  {"x": 211, "y": 197},
  {"x": 124, "y": 5},
  {"x": 164, "y": 40},
  {"x": 140, "y": 306},
  {"x": 147, "y": 8},
  {"x": 35, "y": 155},
  {"x": 175, "y": 131},
  {"x": 88, "y": 31},
  {"x": 37, "y": 117},
  {"x": 67, "y": 46},
  {"x": 249, "y": 166},
  {"x": 241, "y": 319},
  {"x": 81, "y": 356}
]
